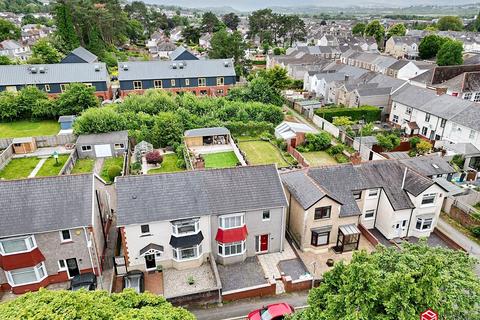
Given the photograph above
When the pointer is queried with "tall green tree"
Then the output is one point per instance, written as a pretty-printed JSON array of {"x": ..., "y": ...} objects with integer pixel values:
[
  {"x": 397, "y": 29},
  {"x": 191, "y": 34},
  {"x": 277, "y": 77},
  {"x": 391, "y": 284},
  {"x": 231, "y": 20},
  {"x": 44, "y": 52},
  {"x": 450, "y": 23},
  {"x": 450, "y": 53},
  {"x": 75, "y": 99},
  {"x": 429, "y": 46},
  {"x": 359, "y": 29},
  {"x": 8, "y": 30},
  {"x": 376, "y": 30},
  {"x": 5, "y": 60},
  {"x": 225, "y": 45},
  {"x": 476, "y": 24},
  {"x": 210, "y": 22},
  {"x": 65, "y": 27}
]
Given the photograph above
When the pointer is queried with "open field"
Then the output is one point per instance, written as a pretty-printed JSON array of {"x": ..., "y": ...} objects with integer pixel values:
[{"x": 29, "y": 128}]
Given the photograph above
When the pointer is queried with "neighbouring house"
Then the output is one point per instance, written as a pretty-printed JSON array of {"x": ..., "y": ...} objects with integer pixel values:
[
  {"x": 293, "y": 132},
  {"x": 230, "y": 213},
  {"x": 101, "y": 145},
  {"x": 212, "y": 77},
  {"x": 51, "y": 230},
  {"x": 307, "y": 107},
  {"x": 165, "y": 49},
  {"x": 405, "y": 47},
  {"x": 204, "y": 41},
  {"x": 14, "y": 50},
  {"x": 181, "y": 53},
  {"x": 54, "y": 78},
  {"x": 24, "y": 145},
  {"x": 207, "y": 136},
  {"x": 31, "y": 33},
  {"x": 80, "y": 55},
  {"x": 406, "y": 70},
  {"x": 328, "y": 203},
  {"x": 430, "y": 166}
]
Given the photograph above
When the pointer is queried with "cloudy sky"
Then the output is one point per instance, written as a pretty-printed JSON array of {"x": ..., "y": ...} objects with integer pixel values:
[{"x": 256, "y": 4}]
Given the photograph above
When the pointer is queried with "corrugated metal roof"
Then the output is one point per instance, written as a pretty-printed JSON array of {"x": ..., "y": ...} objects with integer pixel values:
[{"x": 206, "y": 132}]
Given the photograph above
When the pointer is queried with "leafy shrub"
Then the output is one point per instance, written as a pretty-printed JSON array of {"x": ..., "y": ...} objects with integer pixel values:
[
  {"x": 476, "y": 231},
  {"x": 369, "y": 113},
  {"x": 458, "y": 160},
  {"x": 337, "y": 149},
  {"x": 114, "y": 171},
  {"x": 423, "y": 147},
  {"x": 154, "y": 157},
  {"x": 341, "y": 158},
  {"x": 388, "y": 142},
  {"x": 414, "y": 141},
  {"x": 317, "y": 142}
]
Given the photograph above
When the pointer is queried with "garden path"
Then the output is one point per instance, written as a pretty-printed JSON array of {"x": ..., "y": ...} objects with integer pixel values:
[{"x": 37, "y": 168}]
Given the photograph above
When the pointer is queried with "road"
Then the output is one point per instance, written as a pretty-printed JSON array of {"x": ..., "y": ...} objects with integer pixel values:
[{"x": 241, "y": 308}]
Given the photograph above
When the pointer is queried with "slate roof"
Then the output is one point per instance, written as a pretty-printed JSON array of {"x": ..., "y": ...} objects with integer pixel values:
[
  {"x": 85, "y": 55},
  {"x": 206, "y": 132},
  {"x": 428, "y": 165},
  {"x": 45, "y": 204},
  {"x": 414, "y": 96},
  {"x": 368, "y": 92},
  {"x": 54, "y": 73},
  {"x": 387, "y": 82},
  {"x": 143, "y": 70},
  {"x": 147, "y": 198},
  {"x": 177, "y": 52},
  {"x": 399, "y": 64},
  {"x": 100, "y": 138},
  {"x": 302, "y": 188},
  {"x": 469, "y": 116},
  {"x": 446, "y": 106}
]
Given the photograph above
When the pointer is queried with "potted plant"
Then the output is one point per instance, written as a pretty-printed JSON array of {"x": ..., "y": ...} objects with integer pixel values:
[
  {"x": 190, "y": 280},
  {"x": 330, "y": 262},
  {"x": 159, "y": 268}
]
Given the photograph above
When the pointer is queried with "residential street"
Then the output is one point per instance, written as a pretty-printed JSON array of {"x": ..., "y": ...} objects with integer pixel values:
[{"x": 241, "y": 308}]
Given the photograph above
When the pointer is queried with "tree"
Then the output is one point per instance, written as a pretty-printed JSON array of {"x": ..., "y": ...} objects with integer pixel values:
[
  {"x": 76, "y": 98},
  {"x": 342, "y": 121},
  {"x": 450, "y": 23},
  {"x": 210, "y": 22},
  {"x": 114, "y": 171},
  {"x": 318, "y": 141},
  {"x": 359, "y": 29},
  {"x": 376, "y": 30},
  {"x": 5, "y": 60},
  {"x": 231, "y": 20},
  {"x": 450, "y": 53},
  {"x": 225, "y": 45},
  {"x": 65, "y": 27},
  {"x": 8, "y": 30},
  {"x": 44, "y": 52},
  {"x": 277, "y": 77},
  {"x": 423, "y": 147},
  {"x": 476, "y": 24},
  {"x": 167, "y": 130},
  {"x": 154, "y": 157},
  {"x": 414, "y": 141},
  {"x": 191, "y": 34},
  {"x": 397, "y": 29},
  {"x": 430, "y": 45},
  {"x": 70, "y": 305},
  {"x": 257, "y": 90},
  {"x": 392, "y": 284},
  {"x": 388, "y": 142}
]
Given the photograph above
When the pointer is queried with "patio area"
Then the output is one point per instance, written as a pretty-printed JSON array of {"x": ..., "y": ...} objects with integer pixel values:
[
  {"x": 240, "y": 275},
  {"x": 176, "y": 281},
  {"x": 316, "y": 263},
  {"x": 211, "y": 149},
  {"x": 44, "y": 152},
  {"x": 433, "y": 240}
]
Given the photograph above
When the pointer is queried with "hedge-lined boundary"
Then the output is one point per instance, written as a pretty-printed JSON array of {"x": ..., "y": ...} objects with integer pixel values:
[{"x": 368, "y": 113}]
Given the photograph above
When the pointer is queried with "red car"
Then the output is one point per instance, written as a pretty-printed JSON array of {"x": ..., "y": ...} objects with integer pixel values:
[{"x": 275, "y": 311}]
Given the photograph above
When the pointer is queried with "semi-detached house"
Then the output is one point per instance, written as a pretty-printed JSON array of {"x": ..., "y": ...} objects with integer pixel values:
[
  {"x": 54, "y": 78},
  {"x": 177, "y": 220},
  {"x": 327, "y": 204},
  {"x": 50, "y": 230}
]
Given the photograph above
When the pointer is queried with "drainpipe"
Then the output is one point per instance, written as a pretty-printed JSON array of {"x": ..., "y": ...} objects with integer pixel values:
[
  {"x": 88, "y": 248},
  {"x": 409, "y": 222}
]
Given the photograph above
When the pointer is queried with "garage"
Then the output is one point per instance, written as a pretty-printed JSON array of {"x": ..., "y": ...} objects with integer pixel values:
[{"x": 103, "y": 150}]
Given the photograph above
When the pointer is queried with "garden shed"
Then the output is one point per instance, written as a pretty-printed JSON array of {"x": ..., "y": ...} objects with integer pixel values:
[
  {"x": 207, "y": 136},
  {"x": 142, "y": 148},
  {"x": 292, "y": 132},
  {"x": 24, "y": 145},
  {"x": 101, "y": 145},
  {"x": 66, "y": 122}
]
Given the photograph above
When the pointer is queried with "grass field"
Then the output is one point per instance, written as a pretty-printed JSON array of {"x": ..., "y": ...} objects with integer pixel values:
[
  {"x": 220, "y": 160},
  {"x": 51, "y": 168},
  {"x": 107, "y": 164},
  {"x": 19, "y": 168},
  {"x": 319, "y": 158},
  {"x": 263, "y": 152},
  {"x": 83, "y": 166},
  {"x": 169, "y": 164},
  {"x": 29, "y": 128}
]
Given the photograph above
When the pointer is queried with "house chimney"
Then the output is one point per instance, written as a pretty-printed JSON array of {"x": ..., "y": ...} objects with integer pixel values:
[
  {"x": 441, "y": 91},
  {"x": 404, "y": 177},
  {"x": 347, "y": 77}
]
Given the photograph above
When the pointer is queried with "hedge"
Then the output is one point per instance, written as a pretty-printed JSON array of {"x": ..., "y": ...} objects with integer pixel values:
[
  {"x": 369, "y": 113},
  {"x": 250, "y": 128}
]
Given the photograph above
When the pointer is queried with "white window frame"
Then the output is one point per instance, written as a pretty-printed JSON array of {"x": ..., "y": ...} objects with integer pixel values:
[
  {"x": 40, "y": 266},
  {"x": 187, "y": 82},
  {"x": 263, "y": 215},
  {"x": 63, "y": 87},
  {"x": 220, "y": 81},
  {"x": 429, "y": 195},
  {"x": 86, "y": 148},
  {"x": 63, "y": 240},
  {"x": 88, "y": 85},
  {"x": 177, "y": 251},
  {"x": 357, "y": 195},
  {"x": 222, "y": 247},
  {"x": 196, "y": 224},
  {"x": 60, "y": 268},
  {"x": 172, "y": 82},
  {"x": 471, "y": 136},
  {"x": 30, "y": 244},
  {"x": 371, "y": 211},
  {"x": 202, "y": 82},
  {"x": 395, "y": 118},
  {"x": 476, "y": 98},
  {"x": 443, "y": 123},
  {"x": 369, "y": 193},
  {"x": 221, "y": 219},
  {"x": 158, "y": 84},
  {"x": 118, "y": 146},
  {"x": 137, "y": 85},
  {"x": 467, "y": 96},
  {"x": 409, "y": 110},
  {"x": 47, "y": 88},
  {"x": 145, "y": 233},
  {"x": 423, "y": 223}
]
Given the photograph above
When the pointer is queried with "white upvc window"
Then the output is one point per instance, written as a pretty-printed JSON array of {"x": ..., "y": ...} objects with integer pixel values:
[
  {"x": 424, "y": 224},
  {"x": 220, "y": 81},
  {"x": 65, "y": 236},
  {"x": 428, "y": 199},
  {"x": 62, "y": 265},
  {"x": 185, "y": 227},
  {"x": 202, "y": 82},
  {"x": 231, "y": 249},
  {"x": 63, "y": 87},
  {"x": 395, "y": 118},
  {"x": 266, "y": 215},
  {"x": 118, "y": 146},
  {"x": 373, "y": 193},
  {"x": 47, "y": 88},
  {"x": 137, "y": 85},
  {"x": 158, "y": 84},
  {"x": 17, "y": 245},
  {"x": 183, "y": 254},
  {"x": 26, "y": 276},
  {"x": 231, "y": 221},
  {"x": 369, "y": 214},
  {"x": 408, "y": 110},
  {"x": 467, "y": 96}
]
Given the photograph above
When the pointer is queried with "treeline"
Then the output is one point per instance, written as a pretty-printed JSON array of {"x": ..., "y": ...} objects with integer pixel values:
[
  {"x": 161, "y": 118},
  {"x": 22, "y": 6}
]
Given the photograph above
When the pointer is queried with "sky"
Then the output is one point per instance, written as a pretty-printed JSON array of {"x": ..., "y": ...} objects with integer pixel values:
[{"x": 256, "y": 4}]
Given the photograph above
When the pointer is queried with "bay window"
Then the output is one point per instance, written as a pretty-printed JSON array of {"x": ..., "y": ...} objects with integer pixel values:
[
  {"x": 182, "y": 227},
  {"x": 17, "y": 245},
  {"x": 231, "y": 221},
  {"x": 231, "y": 249},
  {"x": 181, "y": 254},
  {"x": 27, "y": 275},
  {"x": 424, "y": 224}
]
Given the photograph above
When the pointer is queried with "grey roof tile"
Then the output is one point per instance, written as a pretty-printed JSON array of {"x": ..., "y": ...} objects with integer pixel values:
[
  {"x": 305, "y": 191},
  {"x": 428, "y": 165},
  {"x": 85, "y": 55},
  {"x": 108, "y": 137},
  {"x": 206, "y": 132}
]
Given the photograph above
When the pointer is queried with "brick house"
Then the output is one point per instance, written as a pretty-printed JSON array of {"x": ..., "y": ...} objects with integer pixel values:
[{"x": 51, "y": 230}]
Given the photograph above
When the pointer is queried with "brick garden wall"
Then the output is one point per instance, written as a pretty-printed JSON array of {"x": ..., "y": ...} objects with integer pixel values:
[
  {"x": 297, "y": 285},
  {"x": 367, "y": 234},
  {"x": 251, "y": 292},
  {"x": 298, "y": 156}
]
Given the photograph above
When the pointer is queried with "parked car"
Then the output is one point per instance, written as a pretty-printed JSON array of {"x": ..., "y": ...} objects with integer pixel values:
[
  {"x": 87, "y": 281},
  {"x": 134, "y": 279},
  {"x": 275, "y": 311}
]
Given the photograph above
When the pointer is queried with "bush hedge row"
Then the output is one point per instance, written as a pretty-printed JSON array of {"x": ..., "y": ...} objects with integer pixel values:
[{"x": 368, "y": 113}]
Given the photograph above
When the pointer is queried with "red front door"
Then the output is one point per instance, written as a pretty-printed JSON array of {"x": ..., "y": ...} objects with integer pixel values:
[{"x": 264, "y": 242}]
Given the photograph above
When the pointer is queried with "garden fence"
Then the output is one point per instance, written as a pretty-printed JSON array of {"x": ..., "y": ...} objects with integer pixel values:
[
  {"x": 6, "y": 156},
  {"x": 69, "y": 164},
  {"x": 44, "y": 141}
]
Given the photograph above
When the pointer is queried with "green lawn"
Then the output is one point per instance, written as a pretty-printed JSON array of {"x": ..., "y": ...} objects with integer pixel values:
[
  {"x": 169, "y": 164},
  {"x": 263, "y": 152},
  {"x": 110, "y": 162},
  {"x": 29, "y": 128},
  {"x": 220, "y": 160},
  {"x": 51, "y": 168},
  {"x": 19, "y": 168},
  {"x": 319, "y": 158},
  {"x": 83, "y": 166}
]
